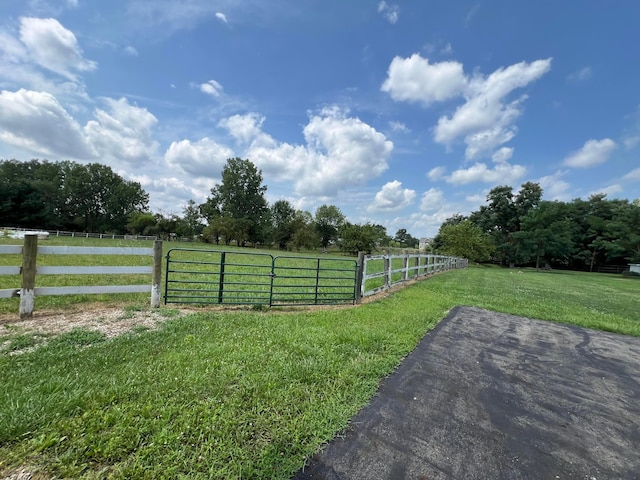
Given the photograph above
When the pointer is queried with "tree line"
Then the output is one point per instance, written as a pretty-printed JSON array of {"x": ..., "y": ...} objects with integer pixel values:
[
  {"x": 522, "y": 229},
  {"x": 92, "y": 198}
]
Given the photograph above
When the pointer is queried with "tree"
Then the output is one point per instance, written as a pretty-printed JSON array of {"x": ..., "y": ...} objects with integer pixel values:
[
  {"x": 305, "y": 234},
  {"x": 356, "y": 238},
  {"x": 546, "y": 233},
  {"x": 191, "y": 222},
  {"x": 328, "y": 220},
  {"x": 405, "y": 239},
  {"x": 240, "y": 196},
  {"x": 282, "y": 222},
  {"x": 465, "y": 240}
]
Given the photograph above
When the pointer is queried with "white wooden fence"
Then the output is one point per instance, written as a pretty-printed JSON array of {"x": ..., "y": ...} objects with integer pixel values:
[
  {"x": 381, "y": 272},
  {"x": 29, "y": 269}
]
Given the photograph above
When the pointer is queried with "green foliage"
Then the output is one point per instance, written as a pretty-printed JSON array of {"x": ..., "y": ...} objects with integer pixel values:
[
  {"x": 67, "y": 195},
  {"x": 403, "y": 239},
  {"x": 465, "y": 240},
  {"x": 356, "y": 238},
  {"x": 239, "y": 197},
  {"x": 328, "y": 220}
]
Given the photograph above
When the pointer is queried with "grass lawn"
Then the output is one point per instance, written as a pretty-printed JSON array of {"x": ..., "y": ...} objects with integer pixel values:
[{"x": 251, "y": 394}]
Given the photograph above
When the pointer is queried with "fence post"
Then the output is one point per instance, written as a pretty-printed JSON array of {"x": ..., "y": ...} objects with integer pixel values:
[
  {"x": 359, "y": 277},
  {"x": 157, "y": 274},
  {"x": 405, "y": 265},
  {"x": 417, "y": 265},
  {"x": 387, "y": 271},
  {"x": 28, "y": 292}
]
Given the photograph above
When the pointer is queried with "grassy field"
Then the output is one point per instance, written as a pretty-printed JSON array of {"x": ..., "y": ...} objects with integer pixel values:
[{"x": 251, "y": 394}]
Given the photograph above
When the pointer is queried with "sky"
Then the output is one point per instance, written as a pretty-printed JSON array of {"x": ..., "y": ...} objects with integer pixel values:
[{"x": 400, "y": 113}]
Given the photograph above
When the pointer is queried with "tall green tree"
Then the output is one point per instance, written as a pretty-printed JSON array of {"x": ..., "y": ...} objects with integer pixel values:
[
  {"x": 464, "y": 239},
  {"x": 240, "y": 196},
  {"x": 328, "y": 219},
  {"x": 282, "y": 222},
  {"x": 356, "y": 238},
  {"x": 546, "y": 234}
]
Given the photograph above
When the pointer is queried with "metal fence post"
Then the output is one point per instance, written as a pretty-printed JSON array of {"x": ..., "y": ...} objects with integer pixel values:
[
  {"x": 359, "y": 276},
  {"x": 28, "y": 292}
]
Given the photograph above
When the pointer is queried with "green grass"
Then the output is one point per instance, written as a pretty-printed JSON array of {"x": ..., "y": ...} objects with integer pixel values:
[{"x": 251, "y": 393}]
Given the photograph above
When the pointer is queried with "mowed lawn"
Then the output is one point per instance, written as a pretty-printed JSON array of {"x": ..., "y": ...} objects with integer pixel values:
[{"x": 251, "y": 394}]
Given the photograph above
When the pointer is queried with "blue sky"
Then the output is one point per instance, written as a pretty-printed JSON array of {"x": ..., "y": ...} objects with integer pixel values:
[{"x": 400, "y": 113}]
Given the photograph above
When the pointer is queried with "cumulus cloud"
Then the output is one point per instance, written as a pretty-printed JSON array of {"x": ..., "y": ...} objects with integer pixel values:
[
  {"x": 502, "y": 173},
  {"x": 432, "y": 199},
  {"x": 123, "y": 131},
  {"x": 389, "y": 12},
  {"x": 487, "y": 118},
  {"x": 37, "y": 122},
  {"x": 414, "y": 79},
  {"x": 592, "y": 153},
  {"x": 554, "y": 187},
  {"x": 53, "y": 47},
  {"x": 392, "y": 197},
  {"x": 340, "y": 151},
  {"x": 211, "y": 87},
  {"x": 221, "y": 16},
  {"x": 436, "y": 173},
  {"x": 202, "y": 158},
  {"x": 609, "y": 190},
  {"x": 247, "y": 128},
  {"x": 502, "y": 155}
]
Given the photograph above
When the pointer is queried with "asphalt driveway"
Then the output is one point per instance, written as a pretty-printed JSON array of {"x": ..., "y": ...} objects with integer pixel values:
[{"x": 492, "y": 396}]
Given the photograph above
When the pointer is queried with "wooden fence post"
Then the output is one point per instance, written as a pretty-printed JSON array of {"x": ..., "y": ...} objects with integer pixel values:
[
  {"x": 387, "y": 271},
  {"x": 28, "y": 292},
  {"x": 156, "y": 281},
  {"x": 359, "y": 277}
]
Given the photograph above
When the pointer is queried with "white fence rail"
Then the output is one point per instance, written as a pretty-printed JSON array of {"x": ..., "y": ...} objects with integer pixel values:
[
  {"x": 381, "y": 272},
  {"x": 29, "y": 270}
]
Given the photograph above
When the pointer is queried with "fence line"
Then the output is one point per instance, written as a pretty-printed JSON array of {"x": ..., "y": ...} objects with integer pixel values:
[
  {"x": 381, "y": 272},
  {"x": 30, "y": 251}
]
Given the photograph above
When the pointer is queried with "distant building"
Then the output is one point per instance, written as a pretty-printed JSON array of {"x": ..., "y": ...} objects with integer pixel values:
[{"x": 424, "y": 243}]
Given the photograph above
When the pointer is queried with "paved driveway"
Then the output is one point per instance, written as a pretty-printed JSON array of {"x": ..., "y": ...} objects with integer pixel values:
[{"x": 493, "y": 396}]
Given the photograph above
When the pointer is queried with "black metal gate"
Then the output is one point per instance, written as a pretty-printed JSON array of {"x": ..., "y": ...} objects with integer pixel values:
[{"x": 251, "y": 278}]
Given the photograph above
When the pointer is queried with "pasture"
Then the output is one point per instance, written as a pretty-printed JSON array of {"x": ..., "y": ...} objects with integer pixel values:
[{"x": 249, "y": 393}]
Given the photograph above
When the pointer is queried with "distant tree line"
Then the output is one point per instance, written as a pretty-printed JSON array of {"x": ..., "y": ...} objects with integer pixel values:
[
  {"x": 92, "y": 198},
  {"x": 522, "y": 229}
]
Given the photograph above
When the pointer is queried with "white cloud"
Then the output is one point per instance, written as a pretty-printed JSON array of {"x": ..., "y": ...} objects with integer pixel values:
[
  {"x": 72, "y": 3},
  {"x": 609, "y": 190},
  {"x": 502, "y": 155},
  {"x": 221, "y": 16},
  {"x": 593, "y": 152},
  {"x": 37, "y": 122},
  {"x": 633, "y": 175},
  {"x": 54, "y": 47},
  {"x": 502, "y": 173},
  {"x": 247, "y": 129},
  {"x": 554, "y": 187},
  {"x": 399, "y": 127},
  {"x": 414, "y": 79},
  {"x": 432, "y": 199},
  {"x": 202, "y": 158},
  {"x": 392, "y": 198},
  {"x": 390, "y": 12},
  {"x": 340, "y": 151},
  {"x": 580, "y": 75},
  {"x": 131, "y": 51},
  {"x": 436, "y": 173},
  {"x": 124, "y": 132},
  {"x": 486, "y": 120},
  {"x": 212, "y": 88}
]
